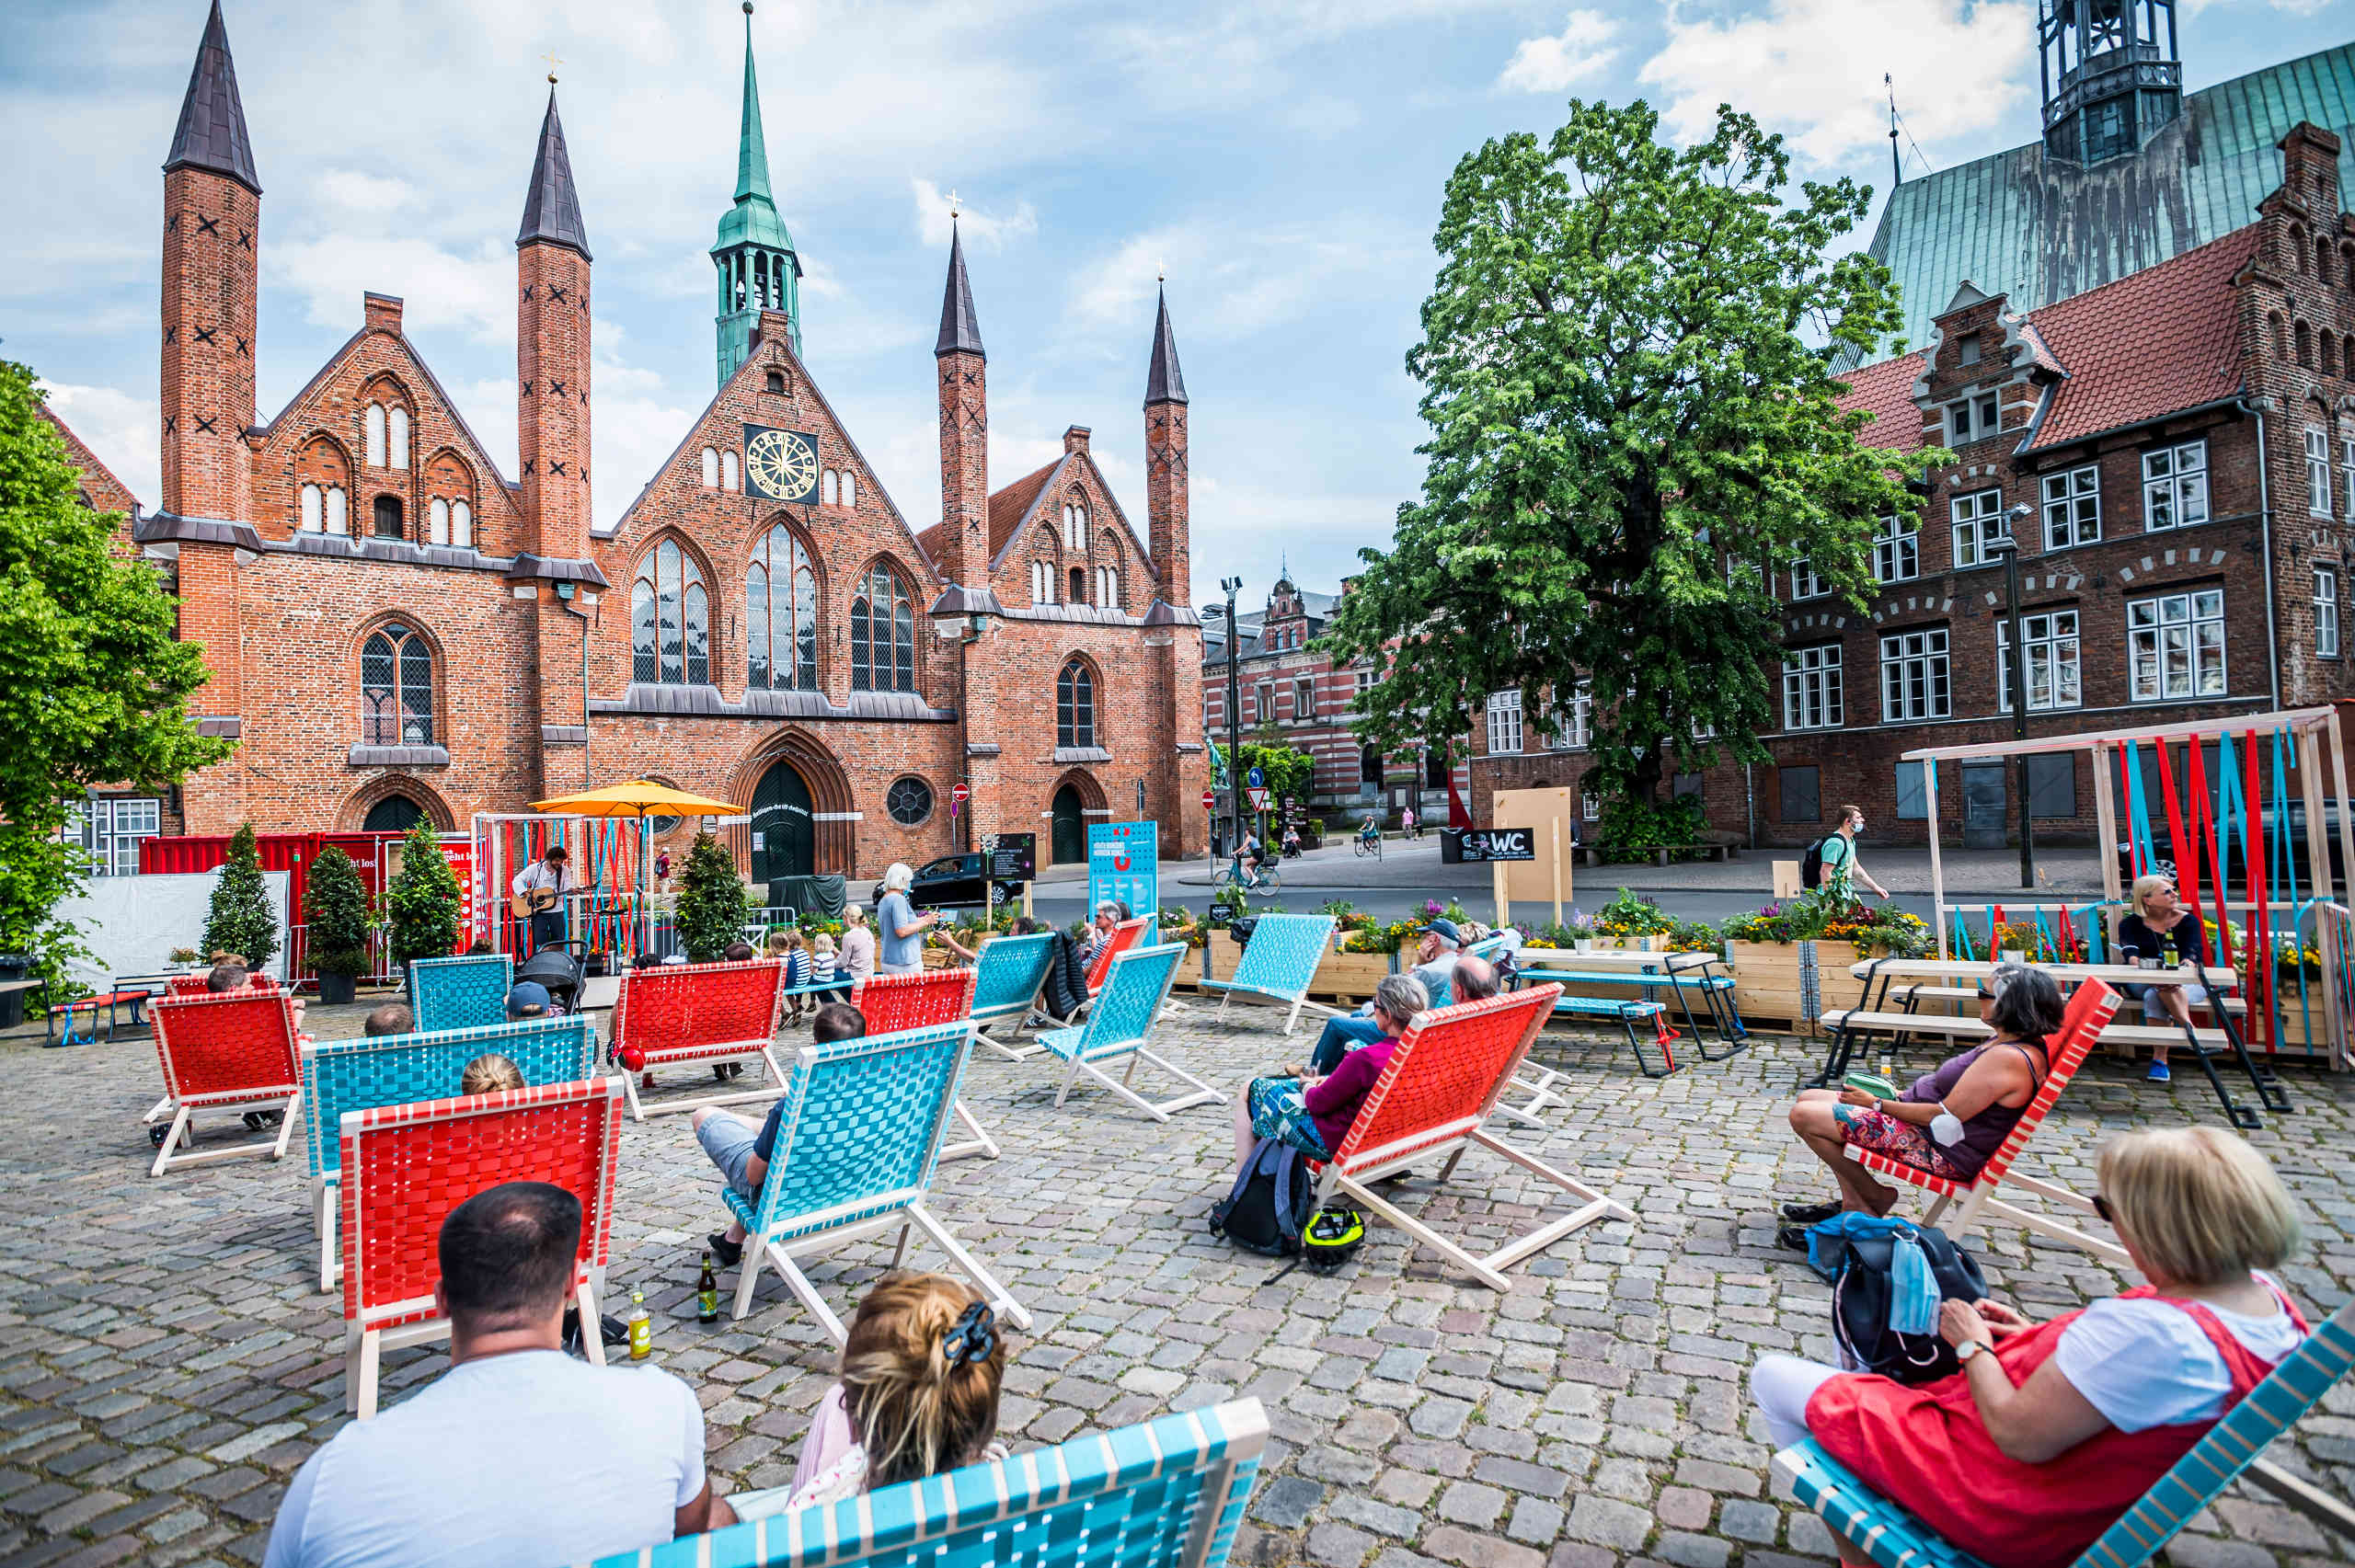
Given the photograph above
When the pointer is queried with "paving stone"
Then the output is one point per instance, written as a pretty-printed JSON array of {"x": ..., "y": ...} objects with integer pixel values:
[
  {"x": 1287, "y": 1501},
  {"x": 1745, "y": 1520},
  {"x": 1607, "y": 1522},
  {"x": 1534, "y": 1522},
  {"x": 1466, "y": 1504},
  {"x": 1338, "y": 1546},
  {"x": 1476, "y": 1550}
]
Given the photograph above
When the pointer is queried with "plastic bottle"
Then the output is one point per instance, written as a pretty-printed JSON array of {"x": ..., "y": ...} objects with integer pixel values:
[{"x": 641, "y": 1326}]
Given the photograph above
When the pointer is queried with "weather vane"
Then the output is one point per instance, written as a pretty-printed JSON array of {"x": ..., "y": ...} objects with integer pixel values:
[{"x": 553, "y": 64}]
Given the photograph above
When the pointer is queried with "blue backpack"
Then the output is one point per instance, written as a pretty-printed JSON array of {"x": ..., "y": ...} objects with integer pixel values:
[{"x": 1270, "y": 1204}]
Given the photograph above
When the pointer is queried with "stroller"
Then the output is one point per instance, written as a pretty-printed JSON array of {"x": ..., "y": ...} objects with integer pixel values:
[{"x": 561, "y": 967}]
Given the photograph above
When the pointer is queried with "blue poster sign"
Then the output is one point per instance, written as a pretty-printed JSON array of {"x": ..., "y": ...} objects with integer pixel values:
[{"x": 1124, "y": 863}]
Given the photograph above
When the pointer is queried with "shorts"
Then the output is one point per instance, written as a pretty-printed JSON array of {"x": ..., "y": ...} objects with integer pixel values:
[
  {"x": 1280, "y": 1110},
  {"x": 728, "y": 1140},
  {"x": 1900, "y": 1141},
  {"x": 2153, "y": 999}
]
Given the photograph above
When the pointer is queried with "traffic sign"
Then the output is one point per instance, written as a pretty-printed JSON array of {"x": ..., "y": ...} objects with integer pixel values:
[
  {"x": 1258, "y": 780},
  {"x": 1259, "y": 798},
  {"x": 1210, "y": 800},
  {"x": 960, "y": 794}
]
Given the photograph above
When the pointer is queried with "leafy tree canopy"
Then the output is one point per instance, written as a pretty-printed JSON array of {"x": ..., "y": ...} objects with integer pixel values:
[{"x": 1633, "y": 422}]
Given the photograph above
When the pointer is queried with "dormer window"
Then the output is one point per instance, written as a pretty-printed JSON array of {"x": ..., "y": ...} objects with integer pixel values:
[
  {"x": 1967, "y": 350},
  {"x": 1973, "y": 419}
]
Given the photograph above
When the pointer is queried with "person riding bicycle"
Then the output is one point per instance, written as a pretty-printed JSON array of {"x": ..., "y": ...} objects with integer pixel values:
[
  {"x": 1369, "y": 831},
  {"x": 1250, "y": 856}
]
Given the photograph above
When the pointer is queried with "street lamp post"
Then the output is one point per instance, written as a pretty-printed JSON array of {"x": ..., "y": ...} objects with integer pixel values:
[
  {"x": 1234, "y": 715},
  {"x": 2017, "y": 673}
]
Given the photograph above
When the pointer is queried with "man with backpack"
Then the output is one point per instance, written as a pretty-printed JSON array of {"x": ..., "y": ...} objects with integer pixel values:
[{"x": 1830, "y": 862}]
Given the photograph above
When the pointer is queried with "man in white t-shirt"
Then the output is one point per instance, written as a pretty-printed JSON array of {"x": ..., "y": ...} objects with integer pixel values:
[
  {"x": 542, "y": 885},
  {"x": 518, "y": 1454}
]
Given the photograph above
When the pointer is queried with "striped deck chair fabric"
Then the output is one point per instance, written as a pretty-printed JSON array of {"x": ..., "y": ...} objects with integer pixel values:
[
  {"x": 699, "y": 1013},
  {"x": 1279, "y": 963},
  {"x": 1894, "y": 1538},
  {"x": 1005, "y": 990},
  {"x": 891, "y": 1003},
  {"x": 1166, "y": 1494},
  {"x": 465, "y": 992},
  {"x": 1117, "y": 1028},
  {"x": 233, "y": 1051}
]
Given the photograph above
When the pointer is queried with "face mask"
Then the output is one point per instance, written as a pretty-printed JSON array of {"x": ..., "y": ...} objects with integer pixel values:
[{"x": 1914, "y": 1294}]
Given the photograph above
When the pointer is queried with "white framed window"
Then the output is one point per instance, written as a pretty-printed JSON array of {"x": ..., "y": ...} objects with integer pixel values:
[
  {"x": 1812, "y": 688},
  {"x": 1897, "y": 549},
  {"x": 371, "y": 426},
  {"x": 314, "y": 510},
  {"x": 2054, "y": 679},
  {"x": 850, "y": 489},
  {"x": 2326, "y": 611},
  {"x": 1075, "y": 526},
  {"x": 1042, "y": 582},
  {"x": 1304, "y": 699},
  {"x": 1574, "y": 721},
  {"x": 1972, "y": 418},
  {"x": 1504, "y": 722},
  {"x": 1263, "y": 697},
  {"x": 2073, "y": 506},
  {"x": 461, "y": 525},
  {"x": 731, "y": 475},
  {"x": 339, "y": 508},
  {"x": 1805, "y": 582},
  {"x": 1589, "y": 805},
  {"x": 2175, "y": 646},
  {"x": 2317, "y": 471},
  {"x": 829, "y": 488},
  {"x": 437, "y": 521},
  {"x": 711, "y": 468},
  {"x": 2174, "y": 485},
  {"x": 1915, "y": 682},
  {"x": 397, "y": 418},
  {"x": 2346, "y": 463},
  {"x": 110, "y": 832},
  {"x": 1366, "y": 681},
  {"x": 1978, "y": 524},
  {"x": 1108, "y": 587}
]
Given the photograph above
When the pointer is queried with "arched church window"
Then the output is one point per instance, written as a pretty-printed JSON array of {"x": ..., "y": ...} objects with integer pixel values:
[
  {"x": 711, "y": 468},
  {"x": 781, "y": 615},
  {"x": 670, "y": 619},
  {"x": 396, "y": 688},
  {"x": 882, "y": 634}
]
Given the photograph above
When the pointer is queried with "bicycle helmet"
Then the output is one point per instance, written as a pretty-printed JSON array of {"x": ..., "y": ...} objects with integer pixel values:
[{"x": 1333, "y": 1236}]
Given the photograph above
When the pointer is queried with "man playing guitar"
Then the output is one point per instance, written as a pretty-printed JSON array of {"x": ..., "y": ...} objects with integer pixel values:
[{"x": 539, "y": 890}]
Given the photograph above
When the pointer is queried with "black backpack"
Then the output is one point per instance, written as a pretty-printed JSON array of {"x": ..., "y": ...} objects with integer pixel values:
[
  {"x": 1811, "y": 865},
  {"x": 1859, "y": 1267},
  {"x": 1272, "y": 1201}
]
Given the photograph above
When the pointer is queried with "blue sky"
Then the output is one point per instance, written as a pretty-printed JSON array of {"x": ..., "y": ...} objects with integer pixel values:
[{"x": 1281, "y": 159}]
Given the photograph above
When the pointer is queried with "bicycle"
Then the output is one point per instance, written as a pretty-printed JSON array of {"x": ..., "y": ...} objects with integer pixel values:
[
  {"x": 1363, "y": 846},
  {"x": 1230, "y": 875}
]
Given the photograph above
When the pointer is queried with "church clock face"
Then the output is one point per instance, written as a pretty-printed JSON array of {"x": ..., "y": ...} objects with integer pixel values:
[{"x": 780, "y": 466}]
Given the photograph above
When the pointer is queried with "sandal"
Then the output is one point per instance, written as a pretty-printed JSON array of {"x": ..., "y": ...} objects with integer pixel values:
[{"x": 1809, "y": 1213}]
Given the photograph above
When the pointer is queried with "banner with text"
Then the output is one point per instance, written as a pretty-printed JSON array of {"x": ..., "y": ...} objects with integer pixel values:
[{"x": 1124, "y": 863}]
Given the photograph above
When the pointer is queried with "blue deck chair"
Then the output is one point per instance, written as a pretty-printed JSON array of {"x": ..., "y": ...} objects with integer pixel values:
[
  {"x": 1124, "y": 1012},
  {"x": 459, "y": 994},
  {"x": 400, "y": 1070},
  {"x": 857, "y": 1146},
  {"x": 1279, "y": 963},
  {"x": 1892, "y": 1537},
  {"x": 1164, "y": 1493},
  {"x": 1011, "y": 970}
]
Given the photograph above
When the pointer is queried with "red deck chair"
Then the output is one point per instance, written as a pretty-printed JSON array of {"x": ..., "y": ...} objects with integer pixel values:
[
  {"x": 235, "y": 1051},
  {"x": 406, "y": 1167},
  {"x": 700, "y": 1013},
  {"x": 1441, "y": 1083},
  {"x": 1125, "y": 935},
  {"x": 891, "y": 1003},
  {"x": 2088, "y": 1013}
]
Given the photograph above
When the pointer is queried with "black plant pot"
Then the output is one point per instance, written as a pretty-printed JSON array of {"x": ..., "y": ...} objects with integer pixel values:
[{"x": 337, "y": 990}]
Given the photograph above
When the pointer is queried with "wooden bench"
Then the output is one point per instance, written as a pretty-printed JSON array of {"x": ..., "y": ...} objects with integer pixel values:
[
  {"x": 699, "y": 1012},
  {"x": 235, "y": 1051},
  {"x": 1846, "y": 1024}
]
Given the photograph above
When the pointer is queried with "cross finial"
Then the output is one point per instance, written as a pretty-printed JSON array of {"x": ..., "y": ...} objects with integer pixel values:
[
  {"x": 553, "y": 64},
  {"x": 954, "y": 210}
]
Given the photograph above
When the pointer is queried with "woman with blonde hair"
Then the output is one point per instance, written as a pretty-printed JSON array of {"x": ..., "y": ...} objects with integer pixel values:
[
  {"x": 489, "y": 1073},
  {"x": 2160, "y": 931},
  {"x": 859, "y": 945},
  {"x": 2051, "y": 1431}
]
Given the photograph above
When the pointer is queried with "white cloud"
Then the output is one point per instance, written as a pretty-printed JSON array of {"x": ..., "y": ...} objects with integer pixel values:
[
  {"x": 362, "y": 192},
  {"x": 1237, "y": 282},
  {"x": 440, "y": 287},
  {"x": 983, "y": 231},
  {"x": 1550, "y": 64},
  {"x": 120, "y": 429},
  {"x": 1812, "y": 69}
]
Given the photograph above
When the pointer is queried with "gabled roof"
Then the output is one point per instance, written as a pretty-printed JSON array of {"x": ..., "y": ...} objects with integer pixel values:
[
  {"x": 2043, "y": 229},
  {"x": 211, "y": 133},
  {"x": 1014, "y": 508},
  {"x": 433, "y": 384},
  {"x": 78, "y": 451},
  {"x": 551, "y": 207},
  {"x": 1885, "y": 390}
]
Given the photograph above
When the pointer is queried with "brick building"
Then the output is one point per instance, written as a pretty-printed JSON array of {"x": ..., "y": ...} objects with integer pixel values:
[
  {"x": 2174, "y": 453},
  {"x": 1283, "y": 680},
  {"x": 396, "y": 629}
]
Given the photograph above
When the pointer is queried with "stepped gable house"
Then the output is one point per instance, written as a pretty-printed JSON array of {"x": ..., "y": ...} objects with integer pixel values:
[{"x": 396, "y": 629}]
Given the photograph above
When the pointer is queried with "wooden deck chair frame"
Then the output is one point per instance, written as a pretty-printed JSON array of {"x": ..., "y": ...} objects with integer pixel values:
[
  {"x": 859, "y": 1177},
  {"x": 894, "y": 1004},
  {"x": 203, "y": 1071},
  {"x": 465, "y": 992},
  {"x": 1892, "y": 1537},
  {"x": 1010, "y": 974},
  {"x": 1122, "y": 1494},
  {"x": 340, "y": 1076},
  {"x": 2089, "y": 1012},
  {"x": 1119, "y": 1025},
  {"x": 1271, "y": 972},
  {"x": 1472, "y": 1051},
  {"x": 667, "y": 986},
  {"x": 371, "y": 1328}
]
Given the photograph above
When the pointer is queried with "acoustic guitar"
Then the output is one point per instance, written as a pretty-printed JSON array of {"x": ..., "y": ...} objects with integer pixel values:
[{"x": 525, "y": 905}]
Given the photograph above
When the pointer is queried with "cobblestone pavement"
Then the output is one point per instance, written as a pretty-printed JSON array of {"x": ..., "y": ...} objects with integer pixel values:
[{"x": 169, "y": 1361}]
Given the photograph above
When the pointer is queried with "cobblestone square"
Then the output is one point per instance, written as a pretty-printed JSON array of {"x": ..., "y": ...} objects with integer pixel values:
[{"x": 170, "y": 1359}]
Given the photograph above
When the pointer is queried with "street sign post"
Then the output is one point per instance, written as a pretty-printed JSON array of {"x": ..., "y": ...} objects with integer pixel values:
[
  {"x": 1210, "y": 800},
  {"x": 1259, "y": 796}
]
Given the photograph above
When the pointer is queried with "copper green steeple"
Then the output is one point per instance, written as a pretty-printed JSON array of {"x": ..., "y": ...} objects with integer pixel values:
[{"x": 758, "y": 268}]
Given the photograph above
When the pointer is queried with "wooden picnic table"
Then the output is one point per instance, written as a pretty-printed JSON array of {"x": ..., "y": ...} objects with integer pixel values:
[
  {"x": 2219, "y": 978},
  {"x": 1612, "y": 958}
]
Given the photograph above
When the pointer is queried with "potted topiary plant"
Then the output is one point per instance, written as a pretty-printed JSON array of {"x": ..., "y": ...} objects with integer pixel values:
[
  {"x": 711, "y": 901},
  {"x": 336, "y": 907},
  {"x": 240, "y": 919},
  {"x": 421, "y": 906}
]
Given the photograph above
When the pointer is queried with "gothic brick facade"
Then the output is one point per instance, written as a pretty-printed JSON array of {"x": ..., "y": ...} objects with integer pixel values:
[{"x": 393, "y": 627}]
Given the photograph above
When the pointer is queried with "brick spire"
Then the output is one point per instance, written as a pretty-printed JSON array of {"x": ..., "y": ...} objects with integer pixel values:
[
  {"x": 963, "y": 556},
  {"x": 211, "y": 133},
  {"x": 551, "y": 207},
  {"x": 1168, "y": 489},
  {"x": 960, "y": 333}
]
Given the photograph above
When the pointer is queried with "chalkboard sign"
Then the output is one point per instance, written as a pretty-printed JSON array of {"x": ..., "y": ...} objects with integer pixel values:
[
  {"x": 1464, "y": 846},
  {"x": 1014, "y": 857}
]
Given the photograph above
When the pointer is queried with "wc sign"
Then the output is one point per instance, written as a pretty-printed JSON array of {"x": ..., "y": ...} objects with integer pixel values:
[{"x": 1124, "y": 865}]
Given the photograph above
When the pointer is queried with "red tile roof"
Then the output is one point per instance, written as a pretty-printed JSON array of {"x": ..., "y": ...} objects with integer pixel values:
[
  {"x": 1008, "y": 508},
  {"x": 1886, "y": 392},
  {"x": 2155, "y": 342}
]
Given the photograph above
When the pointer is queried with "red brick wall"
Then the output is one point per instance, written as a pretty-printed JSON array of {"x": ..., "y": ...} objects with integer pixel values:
[{"x": 212, "y": 236}]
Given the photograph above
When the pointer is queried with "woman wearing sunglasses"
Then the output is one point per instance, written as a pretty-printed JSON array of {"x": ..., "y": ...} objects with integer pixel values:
[
  {"x": 1949, "y": 1122},
  {"x": 2051, "y": 1431}
]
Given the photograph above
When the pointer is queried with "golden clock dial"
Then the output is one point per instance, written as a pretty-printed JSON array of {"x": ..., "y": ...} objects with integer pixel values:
[{"x": 782, "y": 464}]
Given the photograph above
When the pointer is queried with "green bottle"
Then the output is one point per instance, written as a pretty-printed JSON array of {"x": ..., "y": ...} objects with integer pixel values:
[{"x": 706, "y": 1292}]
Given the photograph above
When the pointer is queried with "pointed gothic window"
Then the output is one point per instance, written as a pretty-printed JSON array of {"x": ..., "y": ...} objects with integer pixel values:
[
  {"x": 372, "y": 431},
  {"x": 882, "y": 634},
  {"x": 396, "y": 688},
  {"x": 781, "y": 615},
  {"x": 1042, "y": 582},
  {"x": 670, "y": 619},
  {"x": 1075, "y": 705},
  {"x": 397, "y": 419}
]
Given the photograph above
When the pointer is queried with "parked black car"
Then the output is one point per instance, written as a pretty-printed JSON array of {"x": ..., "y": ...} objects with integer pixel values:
[{"x": 955, "y": 882}]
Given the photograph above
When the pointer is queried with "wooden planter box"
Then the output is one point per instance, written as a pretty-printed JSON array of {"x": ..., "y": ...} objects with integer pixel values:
[
  {"x": 1348, "y": 977},
  {"x": 1768, "y": 983}
]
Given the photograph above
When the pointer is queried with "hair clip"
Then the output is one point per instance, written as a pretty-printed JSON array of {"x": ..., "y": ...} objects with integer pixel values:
[{"x": 973, "y": 1338}]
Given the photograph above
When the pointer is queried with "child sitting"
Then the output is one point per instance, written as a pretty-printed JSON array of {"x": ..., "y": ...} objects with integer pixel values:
[
  {"x": 489, "y": 1074},
  {"x": 822, "y": 960},
  {"x": 921, "y": 1372},
  {"x": 787, "y": 945}
]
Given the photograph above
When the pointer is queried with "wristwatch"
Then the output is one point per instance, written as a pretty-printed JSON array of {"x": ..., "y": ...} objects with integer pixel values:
[{"x": 1968, "y": 1348}]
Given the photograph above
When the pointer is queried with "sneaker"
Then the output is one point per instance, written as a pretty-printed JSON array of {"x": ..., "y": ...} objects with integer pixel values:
[
  {"x": 2159, "y": 1073},
  {"x": 723, "y": 1251},
  {"x": 1793, "y": 1237},
  {"x": 1809, "y": 1213}
]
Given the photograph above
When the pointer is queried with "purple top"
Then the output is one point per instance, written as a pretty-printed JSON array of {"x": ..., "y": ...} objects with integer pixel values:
[
  {"x": 1333, "y": 1103},
  {"x": 1985, "y": 1133}
]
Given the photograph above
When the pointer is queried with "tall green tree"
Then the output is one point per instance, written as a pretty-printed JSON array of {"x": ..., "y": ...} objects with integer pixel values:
[
  {"x": 96, "y": 688},
  {"x": 1632, "y": 424},
  {"x": 421, "y": 905},
  {"x": 711, "y": 901},
  {"x": 239, "y": 918}
]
